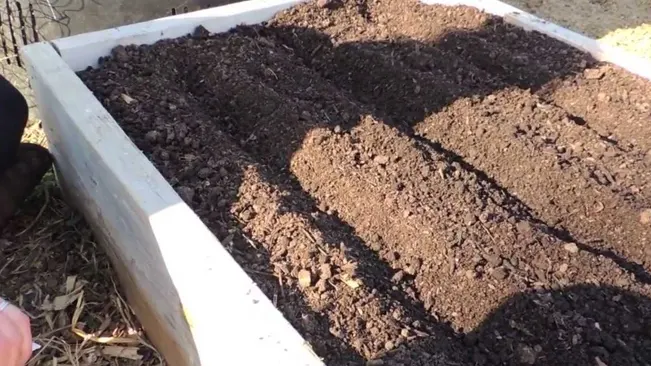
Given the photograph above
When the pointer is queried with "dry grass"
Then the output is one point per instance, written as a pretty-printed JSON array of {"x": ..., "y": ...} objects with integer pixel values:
[{"x": 51, "y": 267}]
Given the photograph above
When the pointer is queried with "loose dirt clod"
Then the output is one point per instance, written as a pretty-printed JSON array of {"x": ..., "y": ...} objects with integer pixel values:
[
  {"x": 571, "y": 247},
  {"x": 645, "y": 217},
  {"x": 408, "y": 180}
]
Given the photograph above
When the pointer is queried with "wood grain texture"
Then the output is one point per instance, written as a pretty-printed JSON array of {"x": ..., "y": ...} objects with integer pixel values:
[{"x": 169, "y": 263}]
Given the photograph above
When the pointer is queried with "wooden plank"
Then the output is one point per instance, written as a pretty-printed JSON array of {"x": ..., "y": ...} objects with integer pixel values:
[
  {"x": 599, "y": 50},
  {"x": 170, "y": 264}
]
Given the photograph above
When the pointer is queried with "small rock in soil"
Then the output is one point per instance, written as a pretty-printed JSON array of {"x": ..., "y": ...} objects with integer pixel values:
[
  {"x": 500, "y": 273},
  {"x": 389, "y": 345},
  {"x": 571, "y": 248},
  {"x": 326, "y": 271},
  {"x": 593, "y": 74},
  {"x": 120, "y": 53},
  {"x": 200, "y": 32},
  {"x": 152, "y": 136},
  {"x": 645, "y": 217},
  {"x": 493, "y": 259},
  {"x": 413, "y": 266},
  {"x": 526, "y": 354},
  {"x": 470, "y": 219},
  {"x": 186, "y": 194},
  {"x": 398, "y": 276},
  {"x": 204, "y": 173},
  {"x": 471, "y": 274},
  {"x": 381, "y": 160},
  {"x": 304, "y": 278}
]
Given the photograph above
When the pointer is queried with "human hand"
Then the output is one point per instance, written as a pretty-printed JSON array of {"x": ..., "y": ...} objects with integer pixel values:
[{"x": 15, "y": 335}]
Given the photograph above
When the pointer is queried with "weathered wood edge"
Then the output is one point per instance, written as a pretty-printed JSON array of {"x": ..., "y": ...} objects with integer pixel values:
[{"x": 171, "y": 266}]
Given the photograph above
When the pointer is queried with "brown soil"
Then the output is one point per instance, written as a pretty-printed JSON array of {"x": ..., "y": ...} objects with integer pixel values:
[{"x": 411, "y": 185}]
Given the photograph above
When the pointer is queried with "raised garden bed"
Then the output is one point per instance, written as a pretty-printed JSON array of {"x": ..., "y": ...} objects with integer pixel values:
[{"x": 407, "y": 183}]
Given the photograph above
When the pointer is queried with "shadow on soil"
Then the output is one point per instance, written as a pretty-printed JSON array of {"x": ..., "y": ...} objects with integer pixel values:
[
  {"x": 583, "y": 324},
  {"x": 579, "y": 325},
  {"x": 400, "y": 103}
]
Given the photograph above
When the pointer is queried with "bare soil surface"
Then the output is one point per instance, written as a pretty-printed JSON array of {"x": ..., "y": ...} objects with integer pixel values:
[{"x": 410, "y": 184}]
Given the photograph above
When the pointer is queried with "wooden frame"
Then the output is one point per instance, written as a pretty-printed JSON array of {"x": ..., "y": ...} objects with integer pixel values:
[{"x": 163, "y": 253}]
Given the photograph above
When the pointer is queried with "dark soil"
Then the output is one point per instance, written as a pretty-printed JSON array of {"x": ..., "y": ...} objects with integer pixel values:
[{"x": 410, "y": 184}]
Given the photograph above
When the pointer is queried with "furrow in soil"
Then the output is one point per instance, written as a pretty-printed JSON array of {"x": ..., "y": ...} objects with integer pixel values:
[
  {"x": 312, "y": 265},
  {"x": 409, "y": 184}
]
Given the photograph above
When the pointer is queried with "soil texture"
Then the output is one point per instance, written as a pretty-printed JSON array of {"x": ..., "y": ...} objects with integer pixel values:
[{"x": 410, "y": 184}]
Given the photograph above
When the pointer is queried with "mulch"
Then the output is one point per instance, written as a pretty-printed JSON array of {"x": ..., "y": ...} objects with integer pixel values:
[
  {"x": 410, "y": 184},
  {"x": 52, "y": 268}
]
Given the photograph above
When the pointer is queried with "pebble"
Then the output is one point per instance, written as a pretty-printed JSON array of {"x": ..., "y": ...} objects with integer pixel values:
[
  {"x": 322, "y": 286},
  {"x": 381, "y": 160},
  {"x": 186, "y": 194},
  {"x": 304, "y": 278},
  {"x": 493, "y": 259},
  {"x": 563, "y": 268},
  {"x": 471, "y": 274},
  {"x": 398, "y": 276},
  {"x": 571, "y": 247},
  {"x": 152, "y": 136},
  {"x": 204, "y": 173},
  {"x": 593, "y": 74},
  {"x": 526, "y": 354},
  {"x": 524, "y": 227},
  {"x": 326, "y": 271},
  {"x": 414, "y": 266},
  {"x": 645, "y": 217},
  {"x": 389, "y": 345},
  {"x": 500, "y": 273},
  {"x": 120, "y": 53},
  {"x": 470, "y": 219}
]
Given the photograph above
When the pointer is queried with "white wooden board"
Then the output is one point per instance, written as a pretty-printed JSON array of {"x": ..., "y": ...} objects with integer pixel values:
[{"x": 164, "y": 254}]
